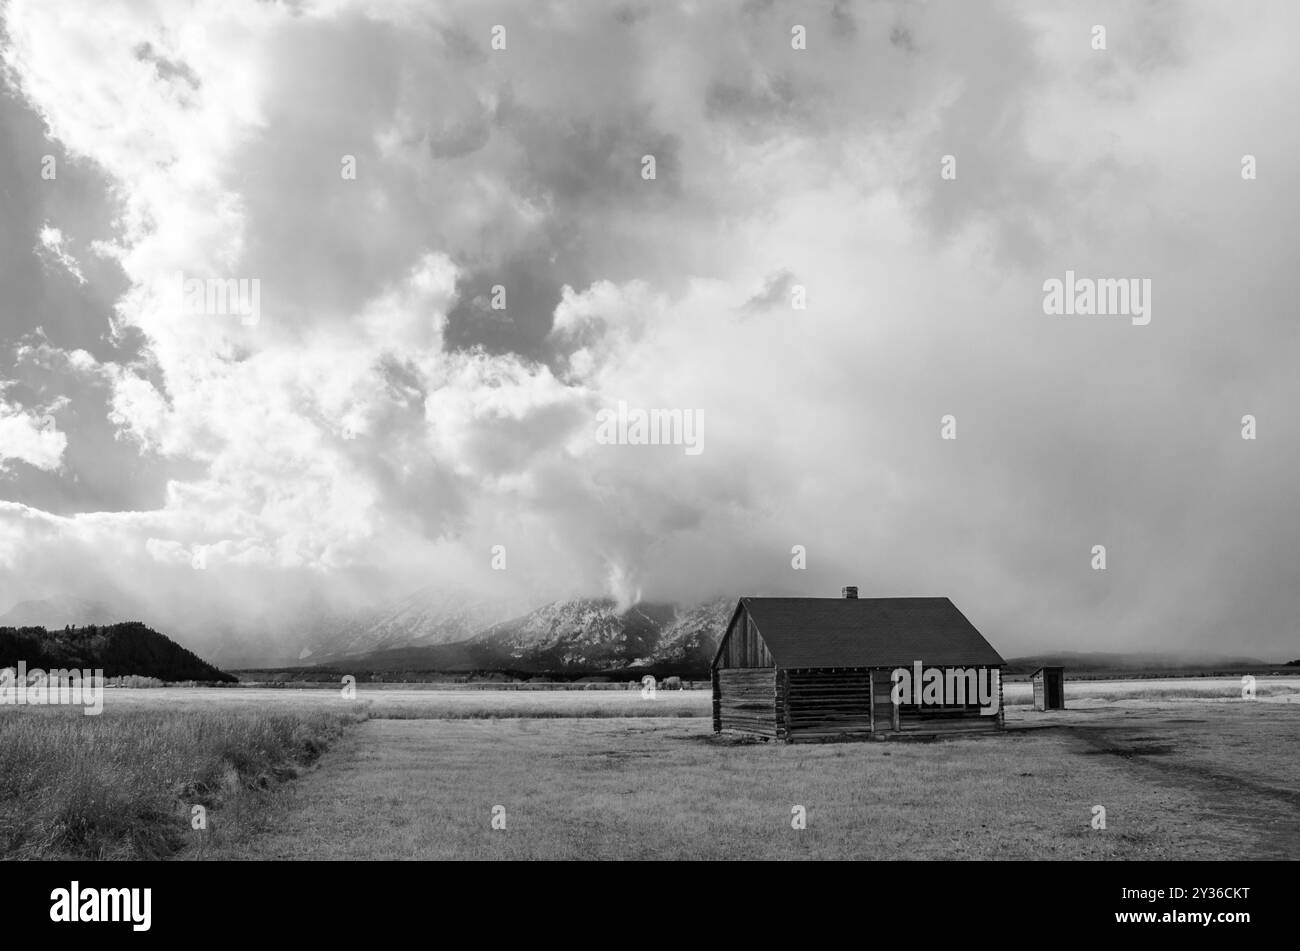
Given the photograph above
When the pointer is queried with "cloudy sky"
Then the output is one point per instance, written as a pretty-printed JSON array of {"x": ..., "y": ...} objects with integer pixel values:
[{"x": 381, "y": 426}]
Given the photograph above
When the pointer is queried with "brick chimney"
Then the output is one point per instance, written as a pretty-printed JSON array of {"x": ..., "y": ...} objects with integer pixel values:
[{"x": 849, "y": 591}]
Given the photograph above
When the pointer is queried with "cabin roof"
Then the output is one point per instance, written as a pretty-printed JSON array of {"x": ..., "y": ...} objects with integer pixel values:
[{"x": 868, "y": 632}]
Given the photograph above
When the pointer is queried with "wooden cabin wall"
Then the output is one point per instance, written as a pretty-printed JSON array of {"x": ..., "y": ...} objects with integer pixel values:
[
  {"x": 717, "y": 701},
  {"x": 928, "y": 719},
  {"x": 782, "y": 704},
  {"x": 743, "y": 647},
  {"x": 824, "y": 704},
  {"x": 747, "y": 700},
  {"x": 920, "y": 718},
  {"x": 881, "y": 687},
  {"x": 831, "y": 704}
]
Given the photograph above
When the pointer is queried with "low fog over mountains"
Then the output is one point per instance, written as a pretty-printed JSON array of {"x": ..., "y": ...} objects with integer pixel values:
[
  {"x": 587, "y": 634},
  {"x": 433, "y": 628},
  {"x": 437, "y": 629},
  {"x": 59, "y": 612},
  {"x": 424, "y": 618}
]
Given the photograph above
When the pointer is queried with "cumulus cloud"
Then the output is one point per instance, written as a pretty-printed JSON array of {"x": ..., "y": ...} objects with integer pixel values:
[{"x": 30, "y": 437}]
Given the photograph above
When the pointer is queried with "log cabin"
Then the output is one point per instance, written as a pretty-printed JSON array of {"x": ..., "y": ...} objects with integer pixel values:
[{"x": 818, "y": 669}]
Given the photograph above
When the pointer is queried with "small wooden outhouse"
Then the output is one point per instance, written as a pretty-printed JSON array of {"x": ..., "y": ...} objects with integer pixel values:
[{"x": 1049, "y": 688}]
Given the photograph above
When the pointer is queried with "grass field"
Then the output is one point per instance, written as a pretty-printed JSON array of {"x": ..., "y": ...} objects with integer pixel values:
[
  {"x": 1184, "y": 769},
  {"x": 1219, "y": 785},
  {"x": 122, "y": 785}
]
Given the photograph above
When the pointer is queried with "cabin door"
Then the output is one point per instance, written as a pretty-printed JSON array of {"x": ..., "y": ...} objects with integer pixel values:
[{"x": 884, "y": 715}]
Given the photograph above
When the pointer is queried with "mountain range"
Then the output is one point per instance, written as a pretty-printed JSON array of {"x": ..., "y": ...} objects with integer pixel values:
[
  {"x": 434, "y": 629},
  {"x": 426, "y": 617},
  {"x": 581, "y": 635}
]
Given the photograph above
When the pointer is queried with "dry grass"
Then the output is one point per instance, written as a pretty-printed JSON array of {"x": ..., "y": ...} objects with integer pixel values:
[
  {"x": 665, "y": 788},
  {"x": 609, "y": 774},
  {"x": 121, "y": 785}
]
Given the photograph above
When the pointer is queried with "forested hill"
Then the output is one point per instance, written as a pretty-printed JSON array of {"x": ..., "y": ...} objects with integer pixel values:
[{"x": 118, "y": 649}]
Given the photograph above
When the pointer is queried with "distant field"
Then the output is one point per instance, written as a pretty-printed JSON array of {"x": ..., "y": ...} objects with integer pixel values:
[
  {"x": 475, "y": 703},
  {"x": 1286, "y": 689},
  {"x": 423, "y": 703},
  {"x": 1185, "y": 769}
]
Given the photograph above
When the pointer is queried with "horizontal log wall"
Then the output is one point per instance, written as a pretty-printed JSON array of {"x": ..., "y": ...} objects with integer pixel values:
[
  {"x": 929, "y": 719},
  {"x": 717, "y": 703},
  {"x": 825, "y": 704},
  {"x": 832, "y": 703},
  {"x": 783, "y": 704},
  {"x": 747, "y": 700},
  {"x": 923, "y": 718}
]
